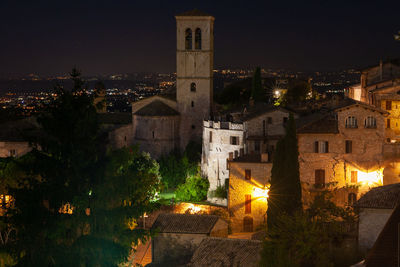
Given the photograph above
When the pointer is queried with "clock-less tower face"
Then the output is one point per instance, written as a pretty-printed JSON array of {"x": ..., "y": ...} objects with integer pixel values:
[{"x": 194, "y": 62}]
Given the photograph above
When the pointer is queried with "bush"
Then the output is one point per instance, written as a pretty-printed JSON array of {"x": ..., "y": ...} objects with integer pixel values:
[
  {"x": 175, "y": 167},
  {"x": 195, "y": 189},
  {"x": 220, "y": 192}
]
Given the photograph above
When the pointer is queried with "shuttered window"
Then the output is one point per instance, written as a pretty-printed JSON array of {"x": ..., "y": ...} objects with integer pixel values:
[{"x": 388, "y": 105}]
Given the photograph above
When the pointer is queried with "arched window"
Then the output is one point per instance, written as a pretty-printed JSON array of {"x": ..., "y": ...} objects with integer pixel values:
[
  {"x": 351, "y": 122},
  {"x": 188, "y": 39},
  {"x": 352, "y": 198},
  {"x": 370, "y": 122},
  {"x": 197, "y": 39},
  {"x": 193, "y": 87}
]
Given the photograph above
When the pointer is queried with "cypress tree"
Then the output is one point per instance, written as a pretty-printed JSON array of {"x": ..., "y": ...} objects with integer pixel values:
[
  {"x": 285, "y": 190},
  {"x": 257, "y": 92}
]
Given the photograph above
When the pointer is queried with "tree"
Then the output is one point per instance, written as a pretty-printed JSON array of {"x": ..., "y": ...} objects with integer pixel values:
[
  {"x": 285, "y": 189},
  {"x": 75, "y": 203},
  {"x": 257, "y": 90},
  {"x": 311, "y": 238},
  {"x": 298, "y": 91}
]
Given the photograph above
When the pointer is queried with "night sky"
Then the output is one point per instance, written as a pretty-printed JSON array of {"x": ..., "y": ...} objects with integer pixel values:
[{"x": 104, "y": 37}]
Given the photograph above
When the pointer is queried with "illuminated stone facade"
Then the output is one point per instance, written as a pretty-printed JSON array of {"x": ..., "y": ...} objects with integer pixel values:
[
  {"x": 248, "y": 191},
  {"x": 255, "y": 131},
  {"x": 343, "y": 150}
]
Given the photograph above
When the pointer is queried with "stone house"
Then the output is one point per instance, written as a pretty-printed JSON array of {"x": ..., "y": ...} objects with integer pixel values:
[
  {"x": 374, "y": 209},
  {"x": 179, "y": 235},
  {"x": 342, "y": 149},
  {"x": 254, "y": 130},
  {"x": 249, "y": 177},
  {"x": 15, "y": 136},
  {"x": 216, "y": 252}
]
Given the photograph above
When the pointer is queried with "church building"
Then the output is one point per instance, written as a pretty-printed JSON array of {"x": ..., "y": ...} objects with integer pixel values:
[{"x": 163, "y": 123}]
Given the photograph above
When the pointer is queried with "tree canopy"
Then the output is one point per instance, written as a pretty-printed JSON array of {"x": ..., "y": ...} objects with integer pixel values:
[{"x": 75, "y": 202}]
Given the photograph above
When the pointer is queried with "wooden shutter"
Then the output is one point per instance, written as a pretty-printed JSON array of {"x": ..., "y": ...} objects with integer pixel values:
[
  {"x": 388, "y": 105},
  {"x": 247, "y": 174},
  {"x": 349, "y": 146},
  {"x": 326, "y": 147},
  {"x": 316, "y": 146},
  {"x": 247, "y": 204}
]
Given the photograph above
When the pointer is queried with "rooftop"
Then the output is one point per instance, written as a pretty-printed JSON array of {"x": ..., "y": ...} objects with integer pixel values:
[
  {"x": 185, "y": 223},
  {"x": 382, "y": 197},
  {"x": 156, "y": 108},
  {"x": 194, "y": 13},
  {"x": 213, "y": 252}
]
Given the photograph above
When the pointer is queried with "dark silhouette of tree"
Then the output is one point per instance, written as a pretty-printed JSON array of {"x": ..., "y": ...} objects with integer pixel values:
[
  {"x": 285, "y": 190},
  {"x": 257, "y": 90},
  {"x": 75, "y": 202}
]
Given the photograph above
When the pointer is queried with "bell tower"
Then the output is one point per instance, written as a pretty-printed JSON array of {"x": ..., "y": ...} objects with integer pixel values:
[{"x": 194, "y": 72}]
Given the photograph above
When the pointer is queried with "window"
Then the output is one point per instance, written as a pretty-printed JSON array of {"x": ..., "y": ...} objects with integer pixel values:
[
  {"x": 12, "y": 153},
  {"x": 192, "y": 104},
  {"x": 197, "y": 39},
  {"x": 247, "y": 204},
  {"x": 388, "y": 105},
  {"x": 192, "y": 87},
  {"x": 234, "y": 140},
  {"x": 153, "y": 134},
  {"x": 193, "y": 127},
  {"x": 349, "y": 146},
  {"x": 210, "y": 137},
  {"x": 353, "y": 177},
  {"x": 247, "y": 174},
  {"x": 269, "y": 120},
  {"x": 321, "y": 147},
  {"x": 230, "y": 155},
  {"x": 370, "y": 122},
  {"x": 319, "y": 178},
  {"x": 257, "y": 146},
  {"x": 188, "y": 39},
  {"x": 285, "y": 119},
  {"x": 352, "y": 198},
  {"x": 388, "y": 123},
  {"x": 241, "y": 151},
  {"x": 264, "y": 130},
  {"x": 236, "y": 153},
  {"x": 351, "y": 122}
]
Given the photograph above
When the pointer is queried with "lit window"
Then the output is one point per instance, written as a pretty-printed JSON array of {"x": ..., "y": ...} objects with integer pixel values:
[
  {"x": 370, "y": 122},
  {"x": 12, "y": 153},
  {"x": 351, "y": 122}
]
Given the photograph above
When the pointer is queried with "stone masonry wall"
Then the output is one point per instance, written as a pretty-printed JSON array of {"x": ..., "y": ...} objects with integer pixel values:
[
  {"x": 366, "y": 156},
  {"x": 20, "y": 148},
  {"x": 239, "y": 187}
]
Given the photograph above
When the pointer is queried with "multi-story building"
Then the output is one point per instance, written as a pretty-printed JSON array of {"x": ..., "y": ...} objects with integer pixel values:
[
  {"x": 342, "y": 149},
  {"x": 254, "y": 130}
]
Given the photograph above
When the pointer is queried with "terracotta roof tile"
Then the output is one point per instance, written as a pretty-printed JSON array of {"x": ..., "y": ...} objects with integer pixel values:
[
  {"x": 185, "y": 223},
  {"x": 213, "y": 252},
  {"x": 382, "y": 197}
]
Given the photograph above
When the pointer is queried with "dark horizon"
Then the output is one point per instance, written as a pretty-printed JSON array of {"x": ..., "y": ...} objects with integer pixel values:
[{"x": 120, "y": 36}]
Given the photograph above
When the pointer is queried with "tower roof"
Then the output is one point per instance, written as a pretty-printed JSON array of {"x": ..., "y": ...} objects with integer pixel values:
[
  {"x": 156, "y": 108},
  {"x": 194, "y": 13}
]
